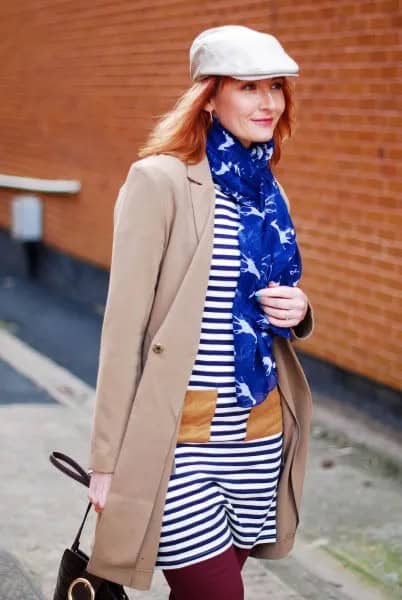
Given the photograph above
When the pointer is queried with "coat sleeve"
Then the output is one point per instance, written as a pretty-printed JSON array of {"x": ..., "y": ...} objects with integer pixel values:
[
  {"x": 139, "y": 239},
  {"x": 305, "y": 328}
]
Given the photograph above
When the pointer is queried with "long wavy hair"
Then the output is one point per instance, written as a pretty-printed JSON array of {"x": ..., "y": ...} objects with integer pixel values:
[{"x": 182, "y": 131}]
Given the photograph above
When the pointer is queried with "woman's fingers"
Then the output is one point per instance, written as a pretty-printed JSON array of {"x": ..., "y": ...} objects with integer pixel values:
[
  {"x": 293, "y": 312},
  {"x": 281, "y": 291},
  {"x": 285, "y": 306},
  {"x": 283, "y": 322},
  {"x": 282, "y": 318},
  {"x": 98, "y": 499},
  {"x": 99, "y": 489},
  {"x": 284, "y": 303}
]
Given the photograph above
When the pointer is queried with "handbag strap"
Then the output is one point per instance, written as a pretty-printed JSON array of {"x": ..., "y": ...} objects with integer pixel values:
[
  {"x": 76, "y": 543},
  {"x": 58, "y": 459},
  {"x": 77, "y": 472},
  {"x": 96, "y": 581}
]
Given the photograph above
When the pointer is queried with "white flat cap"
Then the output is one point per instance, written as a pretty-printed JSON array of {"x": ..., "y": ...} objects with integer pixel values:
[{"x": 239, "y": 52}]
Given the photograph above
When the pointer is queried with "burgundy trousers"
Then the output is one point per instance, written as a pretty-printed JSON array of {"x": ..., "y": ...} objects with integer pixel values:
[{"x": 216, "y": 578}]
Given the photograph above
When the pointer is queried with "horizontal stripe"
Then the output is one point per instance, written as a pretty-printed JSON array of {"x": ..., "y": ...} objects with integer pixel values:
[
  {"x": 187, "y": 552},
  {"x": 195, "y": 538},
  {"x": 196, "y": 520},
  {"x": 262, "y": 446},
  {"x": 207, "y": 552}
]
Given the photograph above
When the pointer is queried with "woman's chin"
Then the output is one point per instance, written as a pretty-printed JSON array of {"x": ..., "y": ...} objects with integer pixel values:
[
  {"x": 260, "y": 139},
  {"x": 256, "y": 136},
  {"x": 262, "y": 134}
]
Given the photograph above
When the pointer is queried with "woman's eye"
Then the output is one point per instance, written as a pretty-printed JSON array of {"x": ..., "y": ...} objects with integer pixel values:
[{"x": 252, "y": 86}]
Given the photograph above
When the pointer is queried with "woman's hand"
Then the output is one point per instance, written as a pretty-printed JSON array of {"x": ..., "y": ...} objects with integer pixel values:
[
  {"x": 285, "y": 306},
  {"x": 99, "y": 489}
]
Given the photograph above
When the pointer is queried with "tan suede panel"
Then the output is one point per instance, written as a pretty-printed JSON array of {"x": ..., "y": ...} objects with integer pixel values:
[
  {"x": 265, "y": 418},
  {"x": 198, "y": 411}
]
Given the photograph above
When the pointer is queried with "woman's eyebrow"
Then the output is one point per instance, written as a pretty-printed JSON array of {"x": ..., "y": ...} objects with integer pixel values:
[{"x": 277, "y": 78}]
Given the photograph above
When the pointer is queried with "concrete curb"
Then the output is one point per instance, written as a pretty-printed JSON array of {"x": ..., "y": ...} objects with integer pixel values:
[
  {"x": 359, "y": 428},
  {"x": 320, "y": 563},
  {"x": 58, "y": 382}
]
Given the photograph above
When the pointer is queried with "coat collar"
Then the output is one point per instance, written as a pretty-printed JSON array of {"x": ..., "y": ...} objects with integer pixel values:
[
  {"x": 202, "y": 194},
  {"x": 200, "y": 172}
]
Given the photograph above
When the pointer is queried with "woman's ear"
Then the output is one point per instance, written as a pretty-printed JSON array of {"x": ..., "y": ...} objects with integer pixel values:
[{"x": 209, "y": 107}]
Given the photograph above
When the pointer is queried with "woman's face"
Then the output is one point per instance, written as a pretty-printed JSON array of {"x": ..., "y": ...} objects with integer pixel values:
[{"x": 250, "y": 110}]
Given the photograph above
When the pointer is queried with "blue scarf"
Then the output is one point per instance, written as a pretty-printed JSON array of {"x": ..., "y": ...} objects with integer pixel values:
[{"x": 268, "y": 252}]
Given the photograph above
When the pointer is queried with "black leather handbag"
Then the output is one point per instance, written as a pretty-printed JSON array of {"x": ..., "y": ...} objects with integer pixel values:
[{"x": 73, "y": 581}]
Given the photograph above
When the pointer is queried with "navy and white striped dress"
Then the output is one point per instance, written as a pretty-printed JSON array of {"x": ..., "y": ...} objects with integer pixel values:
[{"x": 223, "y": 491}]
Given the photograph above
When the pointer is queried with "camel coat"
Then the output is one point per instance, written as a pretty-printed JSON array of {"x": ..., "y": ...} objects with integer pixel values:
[{"x": 162, "y": 248}]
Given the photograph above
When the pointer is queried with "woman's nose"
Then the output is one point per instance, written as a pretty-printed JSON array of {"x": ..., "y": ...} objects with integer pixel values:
[{"x": 267, "y": 100}]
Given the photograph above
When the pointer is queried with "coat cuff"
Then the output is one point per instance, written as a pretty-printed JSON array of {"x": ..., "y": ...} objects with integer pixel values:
[
  {"x": 305, "y": 328},
  {"x": 100, "y": 463}
]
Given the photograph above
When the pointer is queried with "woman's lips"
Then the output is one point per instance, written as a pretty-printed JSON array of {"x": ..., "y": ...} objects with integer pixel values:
[{"x": 262, "y": 121}]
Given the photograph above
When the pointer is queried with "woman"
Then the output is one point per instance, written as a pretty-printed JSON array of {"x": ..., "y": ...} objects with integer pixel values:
[{"x": 202, "y": 413}]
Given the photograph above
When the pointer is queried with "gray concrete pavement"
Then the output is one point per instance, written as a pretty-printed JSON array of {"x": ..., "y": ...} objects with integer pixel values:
[{"x": 15, "y": 584}]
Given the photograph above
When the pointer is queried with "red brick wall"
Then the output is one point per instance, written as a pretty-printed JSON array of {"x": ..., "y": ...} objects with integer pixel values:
[{"x": 82, "y": 83}]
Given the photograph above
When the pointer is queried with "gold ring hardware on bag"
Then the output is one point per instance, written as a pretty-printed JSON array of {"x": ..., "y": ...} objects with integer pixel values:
[{"x": 85, "y": 582}]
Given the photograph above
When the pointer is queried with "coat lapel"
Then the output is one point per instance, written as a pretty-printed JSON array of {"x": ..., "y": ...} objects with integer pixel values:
[{"x": 202, "y": 193}]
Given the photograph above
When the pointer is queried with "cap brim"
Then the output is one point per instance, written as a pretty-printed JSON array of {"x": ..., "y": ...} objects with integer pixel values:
[
  {"x": 249, "y": 77},
  {"x": 266, "y": 76}
]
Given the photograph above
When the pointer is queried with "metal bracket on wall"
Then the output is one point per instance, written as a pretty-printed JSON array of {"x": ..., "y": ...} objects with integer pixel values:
[{"x": 26, "y": 217}]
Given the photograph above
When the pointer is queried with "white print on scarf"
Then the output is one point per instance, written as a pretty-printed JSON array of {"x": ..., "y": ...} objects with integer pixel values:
[
  {"x": 285, "y": 235},
  {"x": 227, "y": 143},
  {"x": 249, "y": 266},
  {"x": 253, "y": 210},
  {"x": 245, "y": 391},
  {"x": 243, "y": 327},
  {"x": 224, "y": 169},
  {"x": 269, "y": 364}
]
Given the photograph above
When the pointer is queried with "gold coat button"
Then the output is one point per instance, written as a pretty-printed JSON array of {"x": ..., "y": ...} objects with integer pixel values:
[{"x": 158, "y": 348}]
